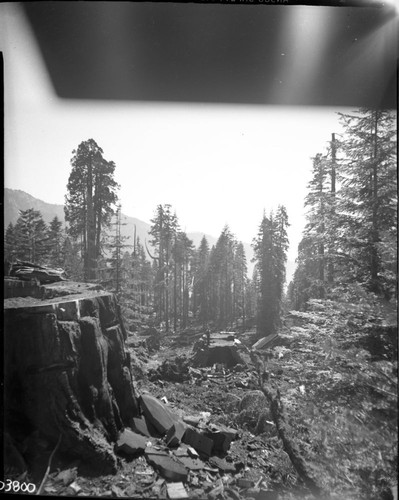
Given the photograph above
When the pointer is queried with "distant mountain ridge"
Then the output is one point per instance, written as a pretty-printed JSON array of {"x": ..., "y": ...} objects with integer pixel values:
[{"x": 16, "y": 200}]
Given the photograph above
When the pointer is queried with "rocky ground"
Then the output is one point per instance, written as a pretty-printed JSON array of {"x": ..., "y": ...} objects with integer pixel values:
[{"x": 338, "y": 399}]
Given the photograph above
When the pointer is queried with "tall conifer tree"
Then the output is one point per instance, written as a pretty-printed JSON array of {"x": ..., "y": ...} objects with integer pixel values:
[
  {"x": 31, "y": 236},
  {"x": 369, "y": 196},
  {"x": 55, "y": 243},
  {"x": 90, "y": 200},
  {"x": 270, "y": 249}
]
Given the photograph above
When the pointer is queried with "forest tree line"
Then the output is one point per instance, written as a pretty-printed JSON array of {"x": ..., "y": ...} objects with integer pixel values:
[
  {"x": 165, "y": 282},
  {"x": 348, "y": 244}
]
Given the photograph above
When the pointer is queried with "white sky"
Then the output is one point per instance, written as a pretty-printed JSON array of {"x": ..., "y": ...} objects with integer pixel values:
[{"x": 215, "y": 164}]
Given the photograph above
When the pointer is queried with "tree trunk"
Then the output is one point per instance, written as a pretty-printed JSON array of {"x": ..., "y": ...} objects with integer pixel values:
[
  {"x": 175, "y": 294},
  {"x": 290, "y": 448},
  {"x": 91, "y": 235},
  {"x": 67, "y": 373},
  {"x": 330, "y": 275},
  {"x": 374, "y": 264},
  {"x": 98, "y": 212}
]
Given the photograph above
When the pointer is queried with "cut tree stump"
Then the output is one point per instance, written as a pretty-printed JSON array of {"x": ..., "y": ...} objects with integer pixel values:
[{"x": 67, "y": 372}]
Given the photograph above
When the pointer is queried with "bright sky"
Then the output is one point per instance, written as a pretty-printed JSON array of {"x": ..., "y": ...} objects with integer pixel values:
[{"x": 215, "y": 164}]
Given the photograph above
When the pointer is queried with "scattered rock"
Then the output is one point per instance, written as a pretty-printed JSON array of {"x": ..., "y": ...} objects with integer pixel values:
[
  {"x": 140, "y": 425},
  {"x": 222, "y": 464},
  {"x": 222, "y": 437},
  {"x": 175, "y": 434},
  {"x": 198, "y": 441},
  {"x": 221, "y": 441},
  {"x": 157, "y": 413},
  {"x": 192, "y": 420},
  {"x": 131, "y": 443},
  {"x": 192, "y": 463},
  {"x": 167, "y": 467}
]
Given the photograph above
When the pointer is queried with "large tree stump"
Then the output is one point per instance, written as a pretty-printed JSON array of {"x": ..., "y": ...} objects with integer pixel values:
[{"x": 67, "y": 372}]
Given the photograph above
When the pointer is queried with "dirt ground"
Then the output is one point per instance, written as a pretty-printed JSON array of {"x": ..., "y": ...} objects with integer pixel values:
[{"x": 347, "y": 444}]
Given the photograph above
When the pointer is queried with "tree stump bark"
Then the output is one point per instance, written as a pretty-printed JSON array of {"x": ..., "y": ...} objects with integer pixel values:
[{"x": 67, "y": 372}]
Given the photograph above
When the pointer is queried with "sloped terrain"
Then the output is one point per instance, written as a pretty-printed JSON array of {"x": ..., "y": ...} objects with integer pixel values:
[{"x": 334, "y": 376}]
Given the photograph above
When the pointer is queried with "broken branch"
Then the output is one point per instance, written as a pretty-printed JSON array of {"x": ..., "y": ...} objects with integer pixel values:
[{"x": 39, "y": 491}]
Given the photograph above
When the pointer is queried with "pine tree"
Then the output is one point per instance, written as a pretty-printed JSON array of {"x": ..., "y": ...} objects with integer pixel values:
[
  {"x": 369, "y": 197},
  {"x": 221, "y": 266},
  {"x": 352, "y": 213},
  {"x": 163, "y": 230},
  {"x": 305, "y": 284},
  {"x": 55, "y": 240},
  {"x": 137, "y": 280},
  {"x": 281, "y": 245},
  {"x": 182, "y": 253},
  {"x": 263, "y": 249},
  {"x": 116, "y": 261},
  {"x": 318, "y": 217},
  {"x": 10, "y": 243},
  {"x": 104, "y": 198},
  {"x": 270, "y": 249},
  {"x": 239, "y": 284},
  {"x": 73, "y": 264},
  {"x": 145, "y": 277},
  {"x": 201, "y": 283},
  {"x": 30, "y": 237},
  {"x": 251, "y": 299}
]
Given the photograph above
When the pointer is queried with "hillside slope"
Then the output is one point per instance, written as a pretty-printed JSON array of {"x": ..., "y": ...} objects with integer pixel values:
[{"x": 16, "y": 200}]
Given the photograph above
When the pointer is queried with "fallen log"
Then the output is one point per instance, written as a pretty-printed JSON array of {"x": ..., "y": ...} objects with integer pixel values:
[
  {"x": 290, "y": 448},
  {"x": 277, "y": 413}
]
